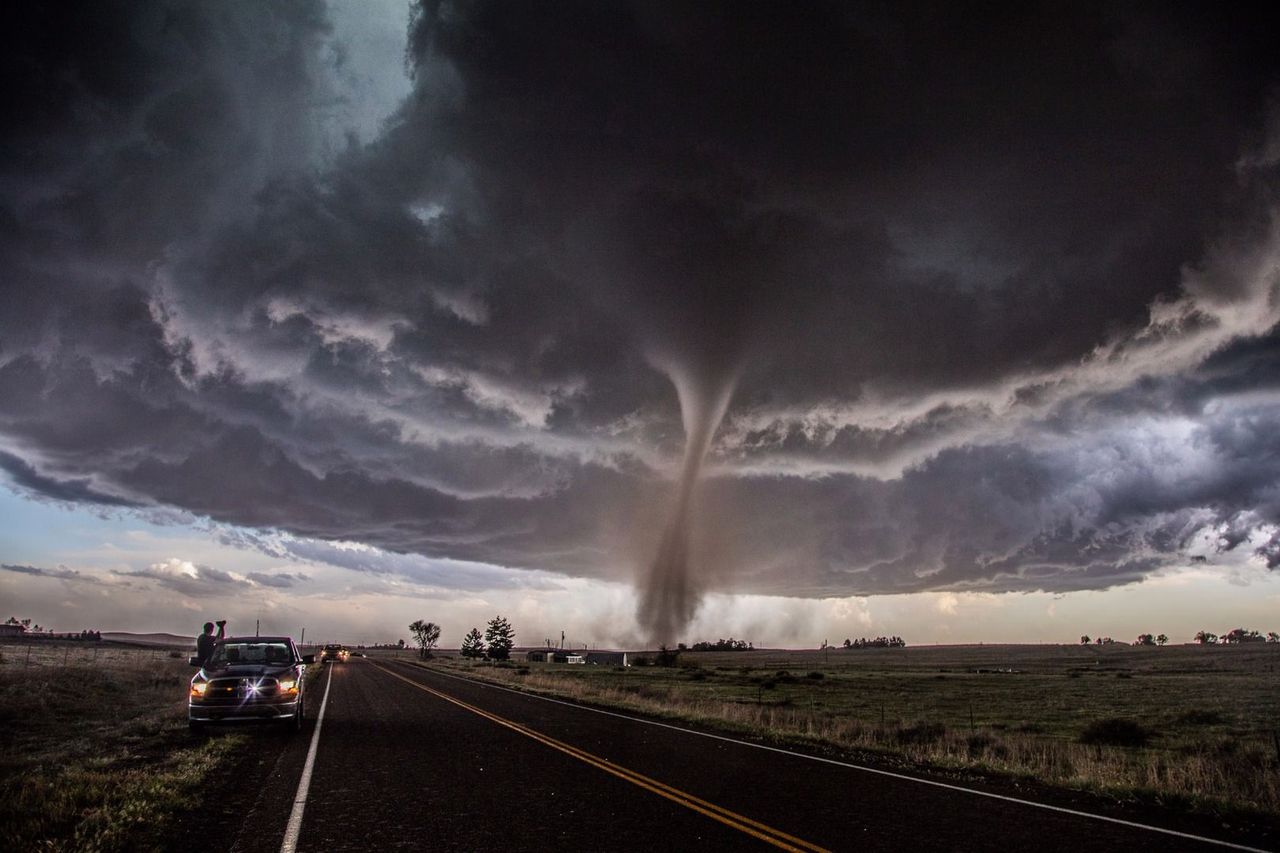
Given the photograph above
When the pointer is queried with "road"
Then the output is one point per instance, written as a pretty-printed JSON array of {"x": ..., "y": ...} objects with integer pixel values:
[{"x": 409, "y": 758}]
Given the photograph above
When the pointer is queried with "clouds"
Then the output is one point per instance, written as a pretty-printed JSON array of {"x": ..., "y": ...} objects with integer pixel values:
[
  {"x": 59, "y": 573},
  {"x": 204, "y": 582},
  {"x": 993, "y": 291}
]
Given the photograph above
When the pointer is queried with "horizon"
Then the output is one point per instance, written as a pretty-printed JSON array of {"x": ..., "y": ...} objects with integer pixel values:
[{"x": 520, "y": 647}]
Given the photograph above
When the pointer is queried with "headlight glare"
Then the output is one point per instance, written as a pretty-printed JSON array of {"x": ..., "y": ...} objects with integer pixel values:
[{"x": 199, "y": 687}]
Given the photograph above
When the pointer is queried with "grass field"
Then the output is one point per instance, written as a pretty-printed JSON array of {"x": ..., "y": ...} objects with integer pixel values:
[
  {"x": 1194, "y": 727},
  {"x": 94, "y": 748}
]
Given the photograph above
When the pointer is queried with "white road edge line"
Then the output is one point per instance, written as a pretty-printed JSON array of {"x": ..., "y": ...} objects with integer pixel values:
[
  {"x": 294, "y": 829},
  {"x": 865, "y": 769}
]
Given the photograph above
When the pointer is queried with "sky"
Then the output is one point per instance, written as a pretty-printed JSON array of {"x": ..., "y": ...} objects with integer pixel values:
[{"x": 641, "y": 322}]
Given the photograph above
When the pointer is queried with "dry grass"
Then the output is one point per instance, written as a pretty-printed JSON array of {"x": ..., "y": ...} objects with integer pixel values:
[
  {"x": 94, "y": 751},
  {"x": 1207, "y": 714}
]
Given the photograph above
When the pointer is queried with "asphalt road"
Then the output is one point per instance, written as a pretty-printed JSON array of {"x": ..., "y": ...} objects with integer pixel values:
[{"x": 411, "y": 759}]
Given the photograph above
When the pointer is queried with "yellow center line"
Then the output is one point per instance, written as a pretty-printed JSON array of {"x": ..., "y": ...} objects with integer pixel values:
[{"x": 754, "y": 828}]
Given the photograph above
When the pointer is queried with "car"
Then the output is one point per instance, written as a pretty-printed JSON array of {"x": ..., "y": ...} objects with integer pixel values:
[
  {"x": 334, "y": 653},
  {"x": 248, "y": 680}
]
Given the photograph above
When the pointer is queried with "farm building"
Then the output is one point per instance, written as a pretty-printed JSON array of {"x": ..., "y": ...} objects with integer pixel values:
[
  {"x": 553, "y": 656},
  {"x": 608, "y": 658},
  {"x": 584, "y": 657}
]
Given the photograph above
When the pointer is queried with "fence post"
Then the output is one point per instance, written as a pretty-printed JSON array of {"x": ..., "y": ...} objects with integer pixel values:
[{"x": 28, "y": 661}]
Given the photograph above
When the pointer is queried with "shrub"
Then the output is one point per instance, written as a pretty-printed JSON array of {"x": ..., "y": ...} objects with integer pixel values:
[
  {"x": 979, "y": 745},
  {"x": 1200, "y": 717},
  {"x": 1116, "y": 731},
  {"x": 816, "y": 676},
  {"x": 921, "y": 733},
  {"x": 667, "y": 657}
]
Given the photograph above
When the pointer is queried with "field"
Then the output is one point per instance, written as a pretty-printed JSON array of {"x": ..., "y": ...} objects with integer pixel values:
[
  {"x": 94, "y": 748},
  {"x": 1191, "y": 727}
]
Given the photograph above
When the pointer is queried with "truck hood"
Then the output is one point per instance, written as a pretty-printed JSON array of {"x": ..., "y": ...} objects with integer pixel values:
[{"x": 248, "y": 670}]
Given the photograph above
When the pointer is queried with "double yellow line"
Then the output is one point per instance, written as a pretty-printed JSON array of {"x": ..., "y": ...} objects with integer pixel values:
[{"x": 754, "y": 828}]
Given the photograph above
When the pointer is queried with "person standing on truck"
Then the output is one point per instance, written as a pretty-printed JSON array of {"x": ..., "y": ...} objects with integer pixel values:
[{"x": 206, "y": 641}]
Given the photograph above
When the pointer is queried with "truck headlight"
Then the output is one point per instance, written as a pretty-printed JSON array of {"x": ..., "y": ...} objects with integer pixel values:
[
  {"x": 198, "y": 688},
  {"x": 289, "y": 685}
]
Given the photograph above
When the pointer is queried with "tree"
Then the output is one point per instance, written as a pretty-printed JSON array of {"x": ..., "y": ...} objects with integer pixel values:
[
  {"x": 427, "y": 634},
  {"x": 1085, "y": 639},
  {"x": 1273, "y": 637},
  {"x": 473, "y": 644},
  {"x": 894, "y": 642},
  {"x": 1145, "y": 640},
  {"x": 1162, "y": 639},
  {"x": 729, "y": 645},
  {"x": 1241, "y": 635},
  {"x": 1206, "y": 638},
  {"x": 500, "y": 637}
]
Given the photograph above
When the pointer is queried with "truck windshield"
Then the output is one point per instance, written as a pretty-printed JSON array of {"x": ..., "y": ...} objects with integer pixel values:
[{"x": 242, "y": 653}]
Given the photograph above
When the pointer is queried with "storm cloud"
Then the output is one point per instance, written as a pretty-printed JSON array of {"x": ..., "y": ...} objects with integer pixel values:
[{"x": 830, "y": 300}]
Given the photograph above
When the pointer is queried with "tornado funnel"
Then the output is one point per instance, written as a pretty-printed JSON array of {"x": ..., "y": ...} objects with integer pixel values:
[{"x": 669, "y": 591}]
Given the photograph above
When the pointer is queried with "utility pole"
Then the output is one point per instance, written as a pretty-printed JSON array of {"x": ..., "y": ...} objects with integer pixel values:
[
  {"x": 257, "y": 624},
  {"x": 303, "y": 641}
]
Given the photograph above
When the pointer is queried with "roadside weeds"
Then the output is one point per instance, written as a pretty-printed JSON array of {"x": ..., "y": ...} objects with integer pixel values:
[
  {"x": 1218, "y": 778},
  {"x": 98, "y": 757}
]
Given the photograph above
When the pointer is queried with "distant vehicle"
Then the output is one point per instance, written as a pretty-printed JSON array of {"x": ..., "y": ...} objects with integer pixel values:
[
  {"x": 249, "y": 679},
  {"x": 334, "y": 653}
]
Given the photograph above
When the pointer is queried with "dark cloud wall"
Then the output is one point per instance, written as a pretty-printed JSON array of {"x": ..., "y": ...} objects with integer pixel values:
[{"x": 992, "y": 287}]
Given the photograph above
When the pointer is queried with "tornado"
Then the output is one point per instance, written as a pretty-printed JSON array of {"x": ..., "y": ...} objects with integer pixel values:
[{"x": 669, "y": 590}]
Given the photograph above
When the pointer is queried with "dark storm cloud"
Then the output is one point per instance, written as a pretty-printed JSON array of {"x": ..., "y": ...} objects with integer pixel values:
[
  {"x": 983, "y": 296},
  {"x": 73, "y": 490}
]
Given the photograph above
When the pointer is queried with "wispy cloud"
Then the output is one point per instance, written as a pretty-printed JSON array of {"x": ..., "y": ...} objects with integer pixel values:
[{"x": 59, "y": 573}]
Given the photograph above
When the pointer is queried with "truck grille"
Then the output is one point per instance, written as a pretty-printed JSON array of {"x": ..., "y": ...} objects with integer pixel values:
[{"x": 242, "y": 688}]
